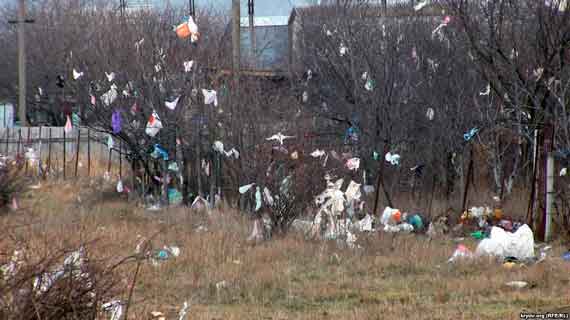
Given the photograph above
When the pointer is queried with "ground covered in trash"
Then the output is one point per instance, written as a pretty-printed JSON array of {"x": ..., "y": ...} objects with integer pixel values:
[{"x": 221, "y": 276}]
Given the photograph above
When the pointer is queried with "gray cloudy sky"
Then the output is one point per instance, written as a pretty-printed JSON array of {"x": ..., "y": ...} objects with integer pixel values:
[{"x": 262, "y": 7}]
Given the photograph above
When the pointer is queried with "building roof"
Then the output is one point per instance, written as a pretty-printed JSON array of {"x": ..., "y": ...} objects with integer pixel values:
[{"x": 269, "y": 21}]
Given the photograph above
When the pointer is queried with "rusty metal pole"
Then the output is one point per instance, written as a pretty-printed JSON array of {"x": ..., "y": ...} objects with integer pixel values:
[
  {"x": 251, "y": 13},
  {"x": 77, "y": 146}
]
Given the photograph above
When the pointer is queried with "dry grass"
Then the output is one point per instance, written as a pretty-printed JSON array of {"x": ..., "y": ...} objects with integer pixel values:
[{"x": 287, "y": 278}]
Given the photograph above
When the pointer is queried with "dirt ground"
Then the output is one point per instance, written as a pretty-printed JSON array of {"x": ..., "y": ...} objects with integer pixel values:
[{"x": 224, "y": 277}]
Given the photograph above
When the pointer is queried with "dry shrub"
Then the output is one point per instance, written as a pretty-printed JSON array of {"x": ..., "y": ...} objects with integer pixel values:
[
  {"x": 45, "y": 288},
  {"x": 11, "y": 181}
]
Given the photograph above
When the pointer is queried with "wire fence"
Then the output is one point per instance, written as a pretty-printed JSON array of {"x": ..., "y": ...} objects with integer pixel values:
[{"x": 50, "y": 151}]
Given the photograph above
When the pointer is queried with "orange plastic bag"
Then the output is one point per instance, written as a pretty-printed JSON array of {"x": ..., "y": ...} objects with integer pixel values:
[
  {"x": 397, "y": 216},
  {"x": 183, "y": 31},
  {"x": 188, "y": 29}
]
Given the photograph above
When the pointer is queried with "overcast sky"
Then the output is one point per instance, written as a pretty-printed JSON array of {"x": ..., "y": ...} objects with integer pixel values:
[{"x": 262, "y": 7}]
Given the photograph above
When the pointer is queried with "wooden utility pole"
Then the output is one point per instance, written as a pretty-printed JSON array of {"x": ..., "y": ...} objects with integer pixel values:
[
  {"x": 236, "y": 41},
  {"x": 237, "y": 125},
  {"x": 22, "y": 64},
  {"x": 21, "y": 21}
]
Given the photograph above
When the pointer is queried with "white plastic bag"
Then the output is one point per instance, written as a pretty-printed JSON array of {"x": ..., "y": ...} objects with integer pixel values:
[
  {"x": 505, "y": 244},
  {"x": 386, "y": 218},
  {"x": 210, "y": 97},
  {"x": 366, "y": 224},
  {"x": 461, "y": 252}
]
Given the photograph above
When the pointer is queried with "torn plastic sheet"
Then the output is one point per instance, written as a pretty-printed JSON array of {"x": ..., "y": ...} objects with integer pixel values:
[
  {"x": 31, "y": 155},
  {"x": 403, "y": 227},
  {"x": 352, "y": 191},
  {"x": 116, "y": 122},
  {"x": 394, "y": 159},
  {"x": 110, "y": 96},
  {"x": 245, "y": 188},
  {"x": 279, "y": 137},
  {"x": 352, "y": 135},
  {"x": 200, "y": 203},
  {"x": 158, "y": 150},
  {"x": 365, "y": 225},
  {"x": 210, "y": 97},
  {"x": 462, "y": 252},
  {"x": 421, "y": 5},
  {"x": 183, "y": 311},
  {"x": 10, "y": 269},
  {"x": 285, "y": 186},
  {"x": 157, "y": 67},
  {"x": 281, "y": 149},
  {"x": 442, "y": 25},
  {"x": 68, "y": 126},
  {"x": 115, "y": 307},
  {"x": 110, "y": 76},
  {"x": 353, "y": 163},
  {"x": 369, "y": 85},
  {"x": 188, "y": 66},
  {"x": 206, "y": 167},
  {"x": 232, "y": 153},
  {"x": 218, "y": 146},
  {"x": 139, "y": 43},
  {"x": 470, "y": 134},
  {"x": 317, "y": 153},
  {"x": 257, "y": 232},
  {"x": 267, "y": 196},
  {"x": 71, "y": 265},
  {"x": 153, "y": 125},
  {"x": 343, "y": 50},
  {"x": 110, "y": 142},
  {"x": 173, "y": 166},
  {"x": 430, "y": 114},
  {"x": 77, "y": 74},
  {"x": 172, "y": 104},
  {"x": 257, "y": 199},
  {"x": 486, "y": 92}
]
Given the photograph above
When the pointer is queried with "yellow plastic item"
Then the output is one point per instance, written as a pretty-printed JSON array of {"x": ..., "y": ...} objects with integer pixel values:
[{"x": 498, "y": 213}]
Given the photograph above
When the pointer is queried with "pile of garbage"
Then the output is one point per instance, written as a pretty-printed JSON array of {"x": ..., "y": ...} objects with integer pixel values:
[
  {"x": 342, "y": 214},
  {"x": 485, "y": 218},
  {"x": 395, "y": 221},
  {"x": 510, "y": 247}
]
